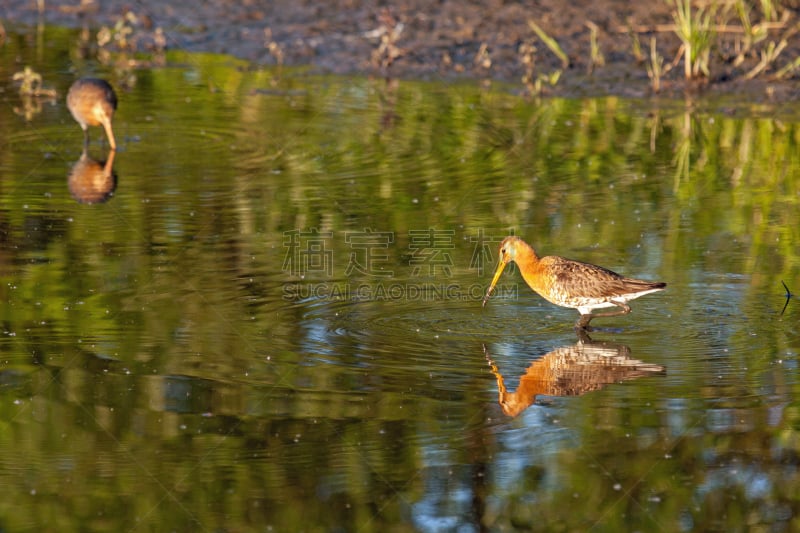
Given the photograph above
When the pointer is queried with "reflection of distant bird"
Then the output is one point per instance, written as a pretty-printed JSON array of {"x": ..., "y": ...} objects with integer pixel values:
[
  {"x": 91, "y": 181},
  {"x": 570, "y": 283},
  {"x": 92, "y": 102},
  {"x": 572, "y": 371}
]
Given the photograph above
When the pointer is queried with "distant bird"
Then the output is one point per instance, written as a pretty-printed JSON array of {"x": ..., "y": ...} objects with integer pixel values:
[
  {"x": 92, "y": 102},
  {"x": 570, "y": 283}
]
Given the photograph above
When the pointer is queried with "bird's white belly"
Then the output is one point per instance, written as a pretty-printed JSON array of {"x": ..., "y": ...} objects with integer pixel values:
[{"x": 585, "y": 307}]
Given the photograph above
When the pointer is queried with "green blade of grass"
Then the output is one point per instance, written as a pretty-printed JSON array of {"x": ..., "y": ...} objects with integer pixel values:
[{"x": 551, "y": 43}]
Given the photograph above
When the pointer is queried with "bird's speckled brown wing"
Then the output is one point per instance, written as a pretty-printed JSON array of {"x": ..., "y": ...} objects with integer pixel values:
[{"x": 567, "y": 280}]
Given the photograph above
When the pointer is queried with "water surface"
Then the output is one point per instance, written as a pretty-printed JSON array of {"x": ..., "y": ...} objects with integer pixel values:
[{"x": 270, "y": 319}]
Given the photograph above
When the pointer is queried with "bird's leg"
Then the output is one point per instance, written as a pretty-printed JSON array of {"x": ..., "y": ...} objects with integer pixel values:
[
  {"x": 583, "y": 335},
  {"x": 624, "y": 309},
  {"x": 583, "y": 321},
  {"x": 85, "y": 138}
]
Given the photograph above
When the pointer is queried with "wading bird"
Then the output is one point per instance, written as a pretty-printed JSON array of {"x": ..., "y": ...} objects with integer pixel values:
[
  {"x": 570, "y": 283},
  {"x": 92, "y": 102}
]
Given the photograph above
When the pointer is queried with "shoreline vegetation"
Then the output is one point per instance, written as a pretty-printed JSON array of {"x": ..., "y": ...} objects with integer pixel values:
[{"x": 671, "y": 47}]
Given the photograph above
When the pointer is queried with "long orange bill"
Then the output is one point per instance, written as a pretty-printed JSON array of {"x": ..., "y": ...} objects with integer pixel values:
[
  {"x": 497, "y": 273},
  {"x": 110, "y": 133}
]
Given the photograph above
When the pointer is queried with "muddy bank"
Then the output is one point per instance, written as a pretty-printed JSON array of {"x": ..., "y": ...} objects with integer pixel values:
[{"x": 431, "y": 40}]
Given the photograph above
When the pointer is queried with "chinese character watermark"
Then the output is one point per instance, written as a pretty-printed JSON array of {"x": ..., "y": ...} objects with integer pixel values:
[
  {"x": 306, "y": 252},
  {"x": 483, "y": 251},
  {"x": 368, "y": 252},
  {"x": 431, "y": 253},
  {"x": 427, "y": 250}
]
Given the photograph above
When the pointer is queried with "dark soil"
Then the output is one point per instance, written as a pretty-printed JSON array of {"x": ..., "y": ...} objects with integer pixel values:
[{"x": 429, "y": 39}]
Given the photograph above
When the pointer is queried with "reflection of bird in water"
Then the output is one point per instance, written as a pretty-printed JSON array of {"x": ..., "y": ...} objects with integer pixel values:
[
  {"x": 91, "y": 181},
  {"x": 92, "y": 102},
  {"x": 571, "y": 371},
  {"x": 570, "y": 283}
]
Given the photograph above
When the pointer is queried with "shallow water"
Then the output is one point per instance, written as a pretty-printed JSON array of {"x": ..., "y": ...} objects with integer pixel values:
[{"x": 271, "y": 318}]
